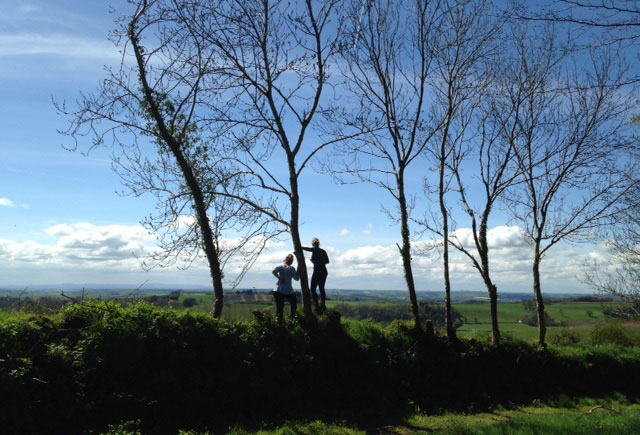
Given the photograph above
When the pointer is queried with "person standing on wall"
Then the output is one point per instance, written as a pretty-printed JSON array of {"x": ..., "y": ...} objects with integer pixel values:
[
  {"x": 320, "y": 259},
  {"x": 283, "y": 289}
]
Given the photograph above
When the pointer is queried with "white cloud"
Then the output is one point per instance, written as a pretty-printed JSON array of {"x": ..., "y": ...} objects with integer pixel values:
[
  {"x": 108, "y": 252},
  {"x": 345, "y": 232},
  {"x": 5, "y": 202},
  {"x": 83, "y": 245},
  {"x": 29, "y": 44}
]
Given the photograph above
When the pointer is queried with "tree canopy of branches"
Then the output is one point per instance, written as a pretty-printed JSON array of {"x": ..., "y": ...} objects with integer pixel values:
[
  {"x": 569, "y": 143},
  {"x": 621, "y": 280},
  {"x": 274, "y": 58},
  {"x": 150, "y": 111},
  {"x": 465, "y": 44},
  {"x": 387, "y": 66}
]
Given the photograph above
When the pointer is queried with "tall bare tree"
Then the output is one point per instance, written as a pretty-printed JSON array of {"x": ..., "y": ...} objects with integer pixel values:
[
  {"x": 568, "y": 143},
  {"x": 620, "y": 277},
  {"x": 493, "y": 156},
  {"x": 464, "y": 45},
  {"x": 150, "y": 111},
  {"x": 274, "y": 58},
  {"x": 387, "y": 64}
]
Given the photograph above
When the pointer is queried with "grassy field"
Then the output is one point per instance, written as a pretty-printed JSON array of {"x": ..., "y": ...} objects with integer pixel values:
[
  {"x": 579, "y": 317},
  {"x": 585, "y": 416}
]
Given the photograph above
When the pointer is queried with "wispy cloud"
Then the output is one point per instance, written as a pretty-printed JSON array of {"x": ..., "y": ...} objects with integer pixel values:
[
  {"x": 28, "y": 8},
  {"x": 31, "y": 44},
  {"x": 367, "y": 231},
  {"x": 5, "y": 202},
  {"x": 345, "y": 232}
]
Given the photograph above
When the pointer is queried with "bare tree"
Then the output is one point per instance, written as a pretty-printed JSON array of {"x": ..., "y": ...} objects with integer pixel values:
[
  {"x": 151, "y": 111},
  {"x": 616, "y": 20},
  {"x": 387, "y": 64},
  {"x": 568, "y": 143},
  {"x": 492, "y": 151},
  {"x": 610, "y": 24},
  {"x": 464, "y": 44},
  {"x": 621, "y": 279},
  {"x": 274, "y": 58}
]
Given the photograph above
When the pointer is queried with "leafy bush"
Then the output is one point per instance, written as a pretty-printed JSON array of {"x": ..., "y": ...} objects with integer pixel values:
[
  {"x": 388, "y": 313},
  {"x": 189, "y": 302},
  {"x": 564, "y": 337},
  {"x": 611, "y": 332},
  {"x": 532, "y": 320},
  {"x": 99, "y": 364}
]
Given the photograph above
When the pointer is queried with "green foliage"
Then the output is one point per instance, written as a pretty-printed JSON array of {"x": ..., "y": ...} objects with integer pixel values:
[
  {"x": 531, "y": 319},
  {"x": 564, "y": 337},
  {"x": 611, "y": 332},
  {"x": 99, "y": 364},
  {"x": 626, "y": 311},
  {"x": 189, "y": 302},
  {"x": 387, "y": 313}
]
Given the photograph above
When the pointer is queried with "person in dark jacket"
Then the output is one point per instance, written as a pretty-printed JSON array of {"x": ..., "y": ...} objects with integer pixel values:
[{"x": 320, "y": 259}]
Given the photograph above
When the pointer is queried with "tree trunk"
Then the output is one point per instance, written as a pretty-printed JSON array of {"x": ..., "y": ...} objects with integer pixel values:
[
  {"x": 205, "y": 230},
  {"x": 493, "y": 300},
  {"x": 405, "y": 251},
  {"x": 542, "y": 327},
  {"x": 451, "y": 333},
  {"x": 491, "y": 288},
  {"x": 187, "y": 171},
  {"x": 297, "y": 243}
]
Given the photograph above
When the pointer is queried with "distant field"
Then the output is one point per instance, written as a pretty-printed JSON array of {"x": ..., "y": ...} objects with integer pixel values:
[{"x": 580, "y": 317}]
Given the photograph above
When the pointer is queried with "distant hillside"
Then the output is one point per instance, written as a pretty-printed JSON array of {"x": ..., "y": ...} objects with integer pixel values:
[{"x": 119, "y": 290}]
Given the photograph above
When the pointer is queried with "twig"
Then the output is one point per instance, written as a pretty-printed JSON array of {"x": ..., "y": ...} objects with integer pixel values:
[
  {"x": 75, "y": 300},
  {"x": 601, "y": 407}
]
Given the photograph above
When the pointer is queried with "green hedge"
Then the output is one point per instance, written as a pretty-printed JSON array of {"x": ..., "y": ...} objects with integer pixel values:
[{"x": 98, "y": 364}]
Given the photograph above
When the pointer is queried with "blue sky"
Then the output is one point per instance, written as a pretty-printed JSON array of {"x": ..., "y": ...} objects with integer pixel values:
[{"x": 61, "y": 220}]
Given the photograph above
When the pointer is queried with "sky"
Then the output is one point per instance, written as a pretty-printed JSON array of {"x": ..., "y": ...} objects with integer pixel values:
[{"x": 62, "y": 219}]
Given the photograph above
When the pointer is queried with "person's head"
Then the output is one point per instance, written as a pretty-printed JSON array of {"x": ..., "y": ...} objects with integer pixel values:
[
  {"x": 288, "y": 260},
  {"x": 315, "y": 242}
]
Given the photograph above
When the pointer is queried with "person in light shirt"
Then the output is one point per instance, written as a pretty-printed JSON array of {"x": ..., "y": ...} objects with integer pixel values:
[{"x": 284, "y": 289}]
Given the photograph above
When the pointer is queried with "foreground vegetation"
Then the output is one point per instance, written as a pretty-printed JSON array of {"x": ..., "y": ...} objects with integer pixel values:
[
  {"x": 97, "y": 365},
  {"x": 586, "y": 416}
]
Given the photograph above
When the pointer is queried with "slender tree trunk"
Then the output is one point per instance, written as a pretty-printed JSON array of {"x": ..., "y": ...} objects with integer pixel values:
[
  {"x": 405, "y": 252},
  {"x": 205, "y": 229},
  {"x": 542, "y": 327},
  {"x": 491, "y": 288},
  {"x": 297, "y": 243},
  {"x": 187, "y": 171},
  {"x": 451, "y": 333}
]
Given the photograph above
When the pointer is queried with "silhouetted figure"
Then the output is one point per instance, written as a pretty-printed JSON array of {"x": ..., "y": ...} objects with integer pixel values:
[
  {"x": 320, "y": 259},
  {"x": 284, "y": 290}
]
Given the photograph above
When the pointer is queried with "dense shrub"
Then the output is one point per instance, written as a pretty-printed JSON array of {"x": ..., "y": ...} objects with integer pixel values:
[
  {"x": 531, "y": 319},
  {"x": 611, "y": 332},
  {"x": 189, "y": 302},
  {"x": 99, "y": 364},
  {"x": 387, "y": 313},
  {"x": 564, "y": 337}
]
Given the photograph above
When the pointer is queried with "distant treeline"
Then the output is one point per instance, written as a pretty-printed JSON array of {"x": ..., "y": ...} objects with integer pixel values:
[{"x": 387, "y": 313}]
